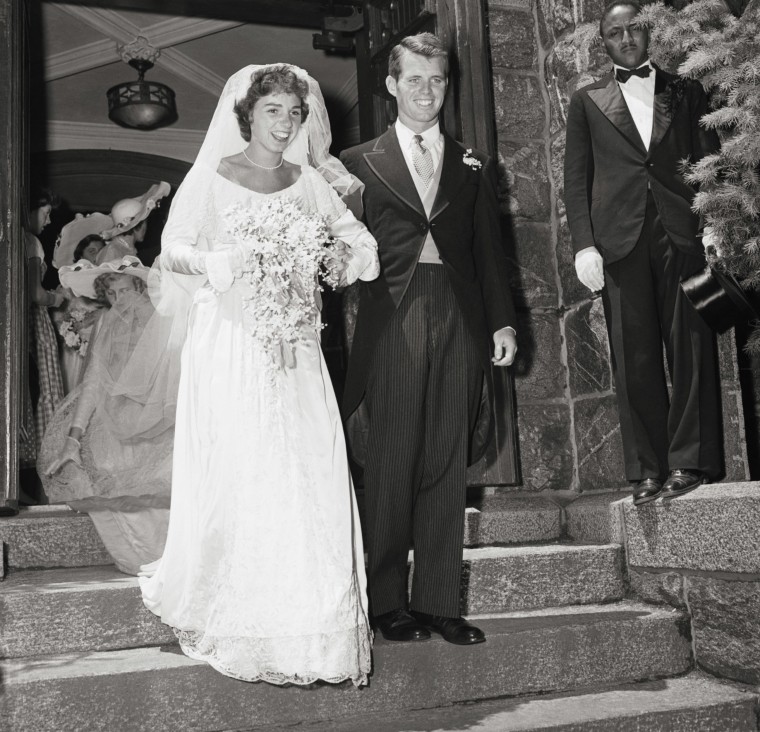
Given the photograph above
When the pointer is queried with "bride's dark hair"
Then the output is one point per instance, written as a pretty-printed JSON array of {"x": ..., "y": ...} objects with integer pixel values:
[{"x": 269, "y": 80}]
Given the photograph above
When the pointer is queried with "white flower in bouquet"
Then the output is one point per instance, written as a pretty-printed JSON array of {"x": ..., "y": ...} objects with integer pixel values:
[
  {"x": 70, "y": 336},
  {"x": 284, "y": 247}
]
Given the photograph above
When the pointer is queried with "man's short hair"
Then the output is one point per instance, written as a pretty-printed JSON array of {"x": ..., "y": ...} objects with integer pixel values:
[
  {"x": 423, "y": 44},
  {"x": 610, "y": 6}
]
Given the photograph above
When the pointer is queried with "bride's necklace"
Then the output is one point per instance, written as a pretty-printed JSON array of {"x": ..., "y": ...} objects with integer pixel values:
[{"x": 263, "y": 167}]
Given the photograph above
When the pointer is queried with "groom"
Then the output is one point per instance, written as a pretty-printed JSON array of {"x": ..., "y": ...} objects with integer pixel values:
[{"x": 427, "y": 332}]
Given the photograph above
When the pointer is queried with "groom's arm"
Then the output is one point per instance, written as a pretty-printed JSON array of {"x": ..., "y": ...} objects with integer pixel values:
[
  {"x": 354, "y": 201},
  {"x": 488, "y": 251}
]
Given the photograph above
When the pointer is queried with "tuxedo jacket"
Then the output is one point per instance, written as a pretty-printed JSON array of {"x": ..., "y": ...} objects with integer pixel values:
[
  {"x": 608, "y": 168},
  {"x": 465, "y": 225}
]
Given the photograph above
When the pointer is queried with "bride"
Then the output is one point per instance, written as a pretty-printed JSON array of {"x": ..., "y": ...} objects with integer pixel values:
[{"x": 263, "y": 571}]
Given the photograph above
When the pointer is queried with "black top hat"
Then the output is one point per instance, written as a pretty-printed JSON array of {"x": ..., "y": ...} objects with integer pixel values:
[{"x": 717, "y": 297}]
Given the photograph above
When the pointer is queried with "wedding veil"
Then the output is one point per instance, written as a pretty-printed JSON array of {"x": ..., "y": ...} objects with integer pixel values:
[
  {"x": 133, "y": 367},
  {"x": 171, "y": 292},
  {"x": 311, "y": 145}
]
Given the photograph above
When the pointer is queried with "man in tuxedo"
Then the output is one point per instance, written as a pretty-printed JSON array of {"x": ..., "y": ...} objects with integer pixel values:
[
  {"x": 636, "y": 238},
  {"x": 427, "y": 332}
]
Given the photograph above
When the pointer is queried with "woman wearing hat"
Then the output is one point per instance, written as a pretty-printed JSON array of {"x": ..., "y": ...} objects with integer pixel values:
[
  {"x": 108, "y": 450},
  {"x": 79, "y": 240},
  {"x": 129, "y": 223}
]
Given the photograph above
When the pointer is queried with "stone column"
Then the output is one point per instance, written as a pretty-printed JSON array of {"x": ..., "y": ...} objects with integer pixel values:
[{"x": 522, "y": 110}]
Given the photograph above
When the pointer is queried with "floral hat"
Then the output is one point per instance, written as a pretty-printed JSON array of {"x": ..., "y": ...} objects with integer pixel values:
[
  {"x": 80, "y": 277},
  {"x": 74, "y": 232},
  {"x": 129, "y": 212}
]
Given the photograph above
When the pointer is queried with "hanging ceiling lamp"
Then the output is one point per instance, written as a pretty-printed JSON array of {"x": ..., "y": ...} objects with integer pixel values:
[{"x": 141, "y": 105}]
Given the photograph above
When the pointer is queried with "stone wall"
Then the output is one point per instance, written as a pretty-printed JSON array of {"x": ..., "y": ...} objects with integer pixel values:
[
  {"x": 699, "y": 553},
  {"x": 702, "y": 552},
  {"x": 567, "y": 413}
]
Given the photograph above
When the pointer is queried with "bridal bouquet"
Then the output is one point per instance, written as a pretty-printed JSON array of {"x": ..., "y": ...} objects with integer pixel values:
[
  {"x": 284, "y": 247},
  {"x": 74, "y": 326}
]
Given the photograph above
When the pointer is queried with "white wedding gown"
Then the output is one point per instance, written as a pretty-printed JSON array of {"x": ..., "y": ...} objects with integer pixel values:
[{"x": 263, "y": 571}]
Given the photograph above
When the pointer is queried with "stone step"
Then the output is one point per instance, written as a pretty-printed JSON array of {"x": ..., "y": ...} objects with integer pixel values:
[
  {"x": 690, "y": 703},
  {"x": 99, "y": 608},
  {"x": 76, "y": 609},
  {"x": 51, "y": 536},
  {"x": 526, "y": 653},
  {"x": 504, "y": 579},
  {"x": 56, "y": 536}
]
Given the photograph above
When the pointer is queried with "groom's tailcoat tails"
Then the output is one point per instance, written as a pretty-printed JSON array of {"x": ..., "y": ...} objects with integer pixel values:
[
  {"x": 632, "y": 203},
  {"x": 421, "y": 349}
]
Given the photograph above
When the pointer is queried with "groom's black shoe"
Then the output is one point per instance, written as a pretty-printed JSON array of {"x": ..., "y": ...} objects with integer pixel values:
[
  {"x": 453, "y": 630},
  {"x": 399, "y": 625}
]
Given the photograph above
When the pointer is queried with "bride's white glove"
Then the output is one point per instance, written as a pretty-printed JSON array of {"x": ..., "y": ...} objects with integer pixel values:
[
  {"x": 223, "y": 267},
  {"x": 589, "y": 268},
  {"x": 354, "y": 254},
  {"x": 336, "y": 265}
]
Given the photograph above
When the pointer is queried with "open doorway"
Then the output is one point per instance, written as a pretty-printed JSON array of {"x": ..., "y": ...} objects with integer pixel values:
[{"x": 76, "y": 149}]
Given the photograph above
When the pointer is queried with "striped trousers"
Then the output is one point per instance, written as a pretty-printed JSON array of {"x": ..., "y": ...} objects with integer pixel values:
[{"x": 424, "y": 384}]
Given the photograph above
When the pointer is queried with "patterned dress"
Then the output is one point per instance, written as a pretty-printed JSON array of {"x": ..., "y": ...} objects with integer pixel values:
[{"x": 43, "y": 352}]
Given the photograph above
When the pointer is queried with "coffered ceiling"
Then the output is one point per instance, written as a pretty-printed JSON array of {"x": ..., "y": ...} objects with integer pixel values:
[{"x": 75, "y": 59}]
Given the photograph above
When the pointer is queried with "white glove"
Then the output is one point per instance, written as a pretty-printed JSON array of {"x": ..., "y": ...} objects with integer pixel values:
[
  {"x": 223, "y": 267},
  {"x": 588, "y": 267}
]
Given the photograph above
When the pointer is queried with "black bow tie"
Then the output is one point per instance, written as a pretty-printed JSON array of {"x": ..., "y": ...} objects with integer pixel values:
[{"x": 622, "y": 75}]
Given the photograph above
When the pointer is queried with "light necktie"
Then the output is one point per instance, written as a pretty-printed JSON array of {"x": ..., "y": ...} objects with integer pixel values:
[{"x": 422, "y": 160}]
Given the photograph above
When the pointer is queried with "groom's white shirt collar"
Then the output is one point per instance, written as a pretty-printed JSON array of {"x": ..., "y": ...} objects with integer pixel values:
[{"x": 431, "y": 138}]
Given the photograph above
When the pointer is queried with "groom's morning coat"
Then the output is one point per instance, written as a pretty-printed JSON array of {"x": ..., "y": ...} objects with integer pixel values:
[
  {"x": 464, "y": 223},
  {"x": 608, "y": 167}
]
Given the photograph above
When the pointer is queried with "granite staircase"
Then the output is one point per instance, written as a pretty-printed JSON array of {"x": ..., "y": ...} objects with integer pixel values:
[{"x": 567, "y": 650}]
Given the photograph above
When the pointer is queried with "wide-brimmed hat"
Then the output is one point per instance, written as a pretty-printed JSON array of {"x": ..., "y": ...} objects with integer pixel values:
[
  {"x": 719, "y": 299},
  {"x": 74, "y": 232},
  {"x": 129, "y": 212},
  {"x": 80, "y": 277}
]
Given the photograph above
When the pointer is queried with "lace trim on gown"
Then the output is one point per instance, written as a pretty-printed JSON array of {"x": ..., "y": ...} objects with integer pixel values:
[{"x": 316, "y": 656}]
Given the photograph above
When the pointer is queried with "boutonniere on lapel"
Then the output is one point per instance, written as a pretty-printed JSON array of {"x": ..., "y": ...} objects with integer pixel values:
[{"x": 469, "y": 159}]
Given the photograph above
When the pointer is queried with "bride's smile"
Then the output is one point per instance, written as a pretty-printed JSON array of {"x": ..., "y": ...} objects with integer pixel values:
[{"x": 275, "y": 120}]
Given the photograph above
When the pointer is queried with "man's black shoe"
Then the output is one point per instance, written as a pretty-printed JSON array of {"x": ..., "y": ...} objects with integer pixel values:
[
  {"x": 453, "y": 630},
  {"x": 646, "y": 490},
  {"x": 399, "y": 625},
  {"x": 682, "y": 481}
]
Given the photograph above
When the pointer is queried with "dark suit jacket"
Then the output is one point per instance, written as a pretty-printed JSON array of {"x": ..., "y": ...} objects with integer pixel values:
[
  {"x": 607, "y": 166},
  {"x": 464, "y": 222}
]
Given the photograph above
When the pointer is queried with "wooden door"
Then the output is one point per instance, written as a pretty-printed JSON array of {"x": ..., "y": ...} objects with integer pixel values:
[
  {"x": 467, "y": 116},
  {"x": 13, "y": 142}
]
